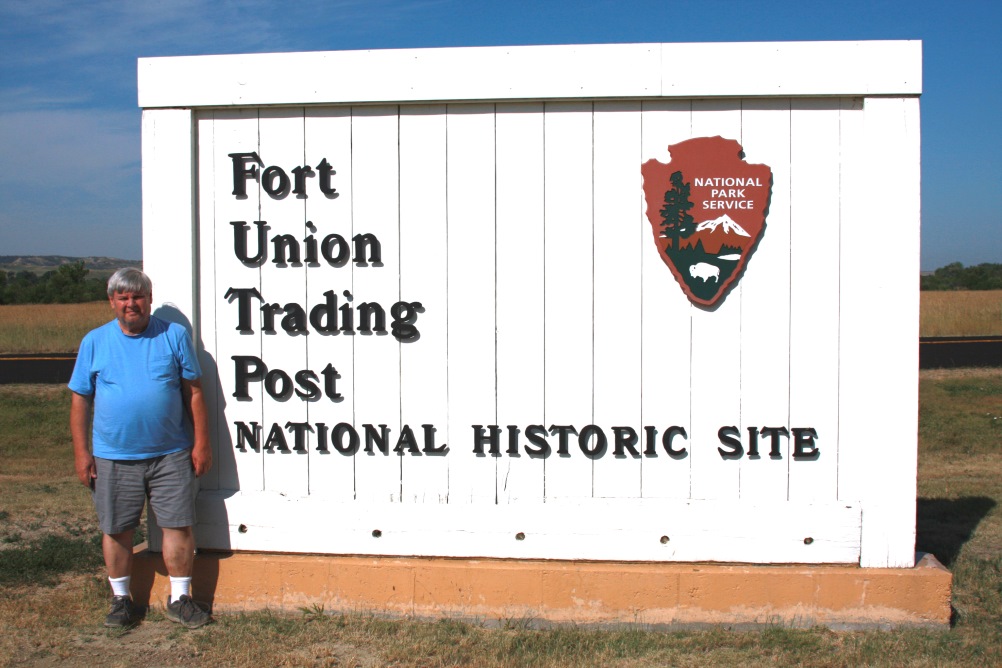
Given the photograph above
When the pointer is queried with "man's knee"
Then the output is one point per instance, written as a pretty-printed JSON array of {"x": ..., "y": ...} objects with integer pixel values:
[
  {"x": 122, "y": 537},
  {"x": 179, "y": 537}
]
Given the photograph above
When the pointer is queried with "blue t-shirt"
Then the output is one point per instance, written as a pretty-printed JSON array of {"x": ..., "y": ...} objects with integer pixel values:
[{"x": 136, "y": 385}]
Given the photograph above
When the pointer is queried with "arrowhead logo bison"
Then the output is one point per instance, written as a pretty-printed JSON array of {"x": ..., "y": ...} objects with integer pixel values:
[{"x": 707, "y": 209}]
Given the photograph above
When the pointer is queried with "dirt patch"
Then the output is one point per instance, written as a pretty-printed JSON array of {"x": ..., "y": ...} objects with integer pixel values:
[
  {"x": 145, "y": 644},
  {"x": 334, "y": 654}
]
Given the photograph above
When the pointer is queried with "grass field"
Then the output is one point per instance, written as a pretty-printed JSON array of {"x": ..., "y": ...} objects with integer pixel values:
[
  {"x": 58, "y": 328},
  {"x": 961, "y": 313},
  {"x": 49, "y": 328},
  {"x": 53, "y": 595}
]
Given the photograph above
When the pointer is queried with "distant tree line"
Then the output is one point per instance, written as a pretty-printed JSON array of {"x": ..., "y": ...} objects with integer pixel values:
[
  {"x": 956, "y": 276},
  {"x": 68, "y": 284}
]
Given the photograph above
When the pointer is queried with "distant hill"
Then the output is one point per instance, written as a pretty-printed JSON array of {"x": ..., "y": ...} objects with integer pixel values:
[{"x": 100, "y": 267}]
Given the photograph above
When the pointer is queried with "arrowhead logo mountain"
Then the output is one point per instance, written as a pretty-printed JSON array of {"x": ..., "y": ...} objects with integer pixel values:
[{"x": 707, "y": 209}]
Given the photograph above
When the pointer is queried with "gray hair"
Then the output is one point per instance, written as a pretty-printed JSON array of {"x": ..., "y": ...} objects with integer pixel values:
[{"x": 130, "y": 279}]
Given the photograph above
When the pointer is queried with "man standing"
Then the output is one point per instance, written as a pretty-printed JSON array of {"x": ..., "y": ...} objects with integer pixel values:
[{"x": 140, "y": 376}]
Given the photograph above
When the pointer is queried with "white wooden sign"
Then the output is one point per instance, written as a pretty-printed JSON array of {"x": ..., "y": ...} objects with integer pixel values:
[{"x": 434, "y": 318}]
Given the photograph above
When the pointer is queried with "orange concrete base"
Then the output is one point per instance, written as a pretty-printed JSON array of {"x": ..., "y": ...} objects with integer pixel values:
[{"x": 553, "y": 592}]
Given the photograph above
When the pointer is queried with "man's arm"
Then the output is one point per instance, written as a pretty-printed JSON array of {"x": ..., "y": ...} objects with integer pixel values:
[
  {"x": 201, "y": 453},
  {"x": 79, "y": 423}
]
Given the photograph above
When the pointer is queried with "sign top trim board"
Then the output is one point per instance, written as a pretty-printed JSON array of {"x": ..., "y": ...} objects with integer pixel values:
[{"x": 603, "y": 71}]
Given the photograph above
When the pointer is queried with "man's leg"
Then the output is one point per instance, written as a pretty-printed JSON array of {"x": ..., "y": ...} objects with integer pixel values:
[
  {"x": 117, "y": 550},
  {"x": 172, "y": 492},
  {"x": 179, "y": 557},
  {"x": 179, "y": 551},
  {"x": 172, "y": 498},
  {"x": 119, "y": 496}
]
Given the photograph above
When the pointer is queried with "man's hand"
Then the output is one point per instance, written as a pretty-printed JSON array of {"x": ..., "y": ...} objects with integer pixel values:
[
  {"x": 201, "y": 459},
  {"x": 201, "y": 453},
  {"x": 79, "y": 424},
  {"x": 86, "y": 471}
]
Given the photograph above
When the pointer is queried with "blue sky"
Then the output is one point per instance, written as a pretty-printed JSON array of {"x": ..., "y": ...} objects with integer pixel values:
[{"x": 69, "y": 124}]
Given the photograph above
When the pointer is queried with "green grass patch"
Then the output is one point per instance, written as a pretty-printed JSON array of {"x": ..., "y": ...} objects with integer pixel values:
[
  {"x": 41, "y": 562},
  {"x": 962, "y": 413},
  {"x": 34, "y": 420}
]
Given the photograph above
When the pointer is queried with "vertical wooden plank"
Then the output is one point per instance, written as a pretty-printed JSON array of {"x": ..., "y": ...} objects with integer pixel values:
[
  {"x": 423, "y": 278},
  {"x": 617, "y": 318},
  {"x": 375, "y": 205},
  {"x": 879, "y": 328},
  {"x": 765, "y": 308},
  {"x": 814, "y": 294},
  {"x": 222, "y": 448},
  {"x": 328, "y": 137},
  {"x": 569, "y": 292},
  {"x": 856, "y": 306},
  {"x": 520, "y": 315},
  {"x": 169, "y": 232},
  {"x": 471, "y": 316},
  {"x": 666, "y": 330},
  {"x": 716, "y": 349},
  {"x": 236, "y": 131},
  {"x": 283, "y": 285}
]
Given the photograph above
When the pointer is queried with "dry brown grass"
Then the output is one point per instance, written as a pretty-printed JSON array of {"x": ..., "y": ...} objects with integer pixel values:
[
  {"x": 961, "y": 313},
  {"x": 48, "y": 328},
  {"x": 59, "y": 622}
]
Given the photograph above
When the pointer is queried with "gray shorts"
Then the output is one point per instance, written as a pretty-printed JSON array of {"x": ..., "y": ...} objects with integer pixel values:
[{"x": 122, "y": 487}]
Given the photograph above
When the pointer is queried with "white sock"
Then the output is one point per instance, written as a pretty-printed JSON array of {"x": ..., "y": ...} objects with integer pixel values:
[
  {"x": 179, "y": 587},
  {"x": 120, "y": 586}
]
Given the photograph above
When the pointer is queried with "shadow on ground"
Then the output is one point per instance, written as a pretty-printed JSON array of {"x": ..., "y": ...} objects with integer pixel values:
[{"x": 944, "y": 525}]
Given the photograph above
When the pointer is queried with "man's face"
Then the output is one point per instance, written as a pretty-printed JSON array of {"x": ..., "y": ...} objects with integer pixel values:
[{"x": 132, "y": 309}]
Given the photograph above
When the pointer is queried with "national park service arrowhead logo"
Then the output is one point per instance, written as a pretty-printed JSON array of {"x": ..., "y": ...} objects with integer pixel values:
[{"x": 707, "y": 208}]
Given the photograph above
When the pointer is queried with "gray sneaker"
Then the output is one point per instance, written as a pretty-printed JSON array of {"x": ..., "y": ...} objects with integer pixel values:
[
  {"x": 123, "y": 613},
  {"x": 187, "y": 613}
]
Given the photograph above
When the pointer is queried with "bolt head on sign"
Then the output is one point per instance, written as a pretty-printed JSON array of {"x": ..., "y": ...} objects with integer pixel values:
[{"x": 707, "y": 210}]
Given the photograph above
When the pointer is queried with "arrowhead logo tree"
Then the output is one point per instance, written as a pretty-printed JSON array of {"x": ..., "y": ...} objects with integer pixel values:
[{"x": 707, "y": 210}]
